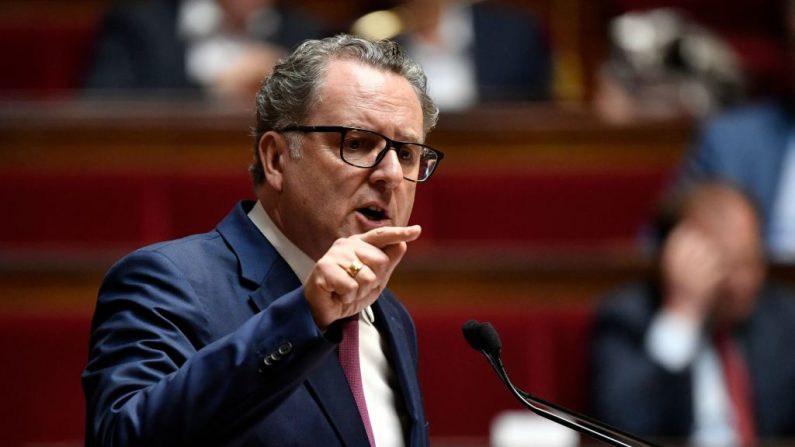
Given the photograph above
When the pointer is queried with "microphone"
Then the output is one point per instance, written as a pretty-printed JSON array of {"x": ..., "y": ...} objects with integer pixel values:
[{"x": 484, "y": 338}]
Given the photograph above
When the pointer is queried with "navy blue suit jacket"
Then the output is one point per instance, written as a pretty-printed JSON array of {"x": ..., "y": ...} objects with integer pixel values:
[
  {"x": 179, "y": 343},
  {"x": 513, "y": 60},
  {"x": 745, "y": 146},
  {"x": 631, "y": 391}
]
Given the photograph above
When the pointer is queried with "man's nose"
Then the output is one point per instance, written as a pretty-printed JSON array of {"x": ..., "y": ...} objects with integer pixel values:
[{"x": 389, "y": 170}]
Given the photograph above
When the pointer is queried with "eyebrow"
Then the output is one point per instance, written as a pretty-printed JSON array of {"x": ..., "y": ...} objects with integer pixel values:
[{"x": 401, "y": 137}]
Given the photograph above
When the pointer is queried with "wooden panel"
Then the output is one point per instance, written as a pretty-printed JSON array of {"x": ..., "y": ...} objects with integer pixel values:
[
  {"x": 556, "y": 195},
  {"x": 190, "y": 136}
]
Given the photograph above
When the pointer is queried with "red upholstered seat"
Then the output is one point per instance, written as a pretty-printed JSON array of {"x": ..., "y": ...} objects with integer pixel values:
[
  {"x": 548, "y": 208},
  {"x": 44, "y": 56},
  {"x": 543, "y": 351},
  {"x": 42, "y": 357},
  {"x": 125, "y": 210}
]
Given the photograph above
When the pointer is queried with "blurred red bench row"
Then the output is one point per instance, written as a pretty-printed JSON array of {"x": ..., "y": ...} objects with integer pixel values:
[
  {"x": 46, "y": 56},
  {"x": 101, "y": 210}
]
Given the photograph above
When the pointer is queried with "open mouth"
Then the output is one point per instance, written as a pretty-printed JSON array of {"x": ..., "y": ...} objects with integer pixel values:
[{"x": 373, "y": 213}]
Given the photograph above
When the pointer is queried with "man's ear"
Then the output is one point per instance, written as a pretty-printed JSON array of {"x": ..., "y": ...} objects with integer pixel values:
[{"x": 272, "y": 151}]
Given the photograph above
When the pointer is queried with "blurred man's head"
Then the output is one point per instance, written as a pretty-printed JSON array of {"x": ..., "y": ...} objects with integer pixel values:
[
  {"x": 729, "y": 218},
  {"x": 238, "y": 13},
  {"x": 729, "y": 223}
]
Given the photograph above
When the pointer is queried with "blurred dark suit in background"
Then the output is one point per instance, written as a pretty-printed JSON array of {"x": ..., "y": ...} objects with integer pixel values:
[
  {"x": 661, "y": 349},
  {"x": 145, "y": 45}
]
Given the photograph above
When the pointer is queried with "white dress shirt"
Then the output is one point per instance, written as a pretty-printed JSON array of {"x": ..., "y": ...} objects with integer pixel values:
[
  {"x": 448, "y": 62},
  {"x": 378, "y": 379},
  {"x": 210, "y": 47},
  {"x": 676, "y": 343},
  {"x": 781, "y": 237}
]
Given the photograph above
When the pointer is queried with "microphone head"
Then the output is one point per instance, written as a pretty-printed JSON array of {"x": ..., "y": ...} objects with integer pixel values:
[{"x": 482, "y": 337}]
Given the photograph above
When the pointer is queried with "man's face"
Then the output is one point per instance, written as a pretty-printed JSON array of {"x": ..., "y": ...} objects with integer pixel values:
[
  {"x": 737, "y": 238},
  {"x": 238, "y": 12},
  {"x": 323, "y": 198}
]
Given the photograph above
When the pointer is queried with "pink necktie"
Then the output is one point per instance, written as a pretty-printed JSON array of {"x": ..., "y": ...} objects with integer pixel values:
[
  {"x": 348, "y": 352},
  {"x": 738, "y": 384}
]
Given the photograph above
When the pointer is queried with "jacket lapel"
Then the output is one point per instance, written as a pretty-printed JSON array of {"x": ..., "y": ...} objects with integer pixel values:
[
  {"x": 403, "y": 365},
  {"x": 278, "y": 282},
  {"x": 329, "y": 387},
  {"x": 270, "y": 277}
]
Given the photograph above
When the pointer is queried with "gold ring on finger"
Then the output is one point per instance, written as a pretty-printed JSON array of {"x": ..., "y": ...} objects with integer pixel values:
[{"x": 355, "y": 267}]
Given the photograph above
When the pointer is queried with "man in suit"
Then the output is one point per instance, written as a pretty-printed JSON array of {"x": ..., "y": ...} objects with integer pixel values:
[
  {"x": 214, "y": 48},
  {"x": 231, "y": 337},
  {"x": 475, "y": 52},
  {"x": 703, "y": 352},
  {"x": 753, "y": 146}
]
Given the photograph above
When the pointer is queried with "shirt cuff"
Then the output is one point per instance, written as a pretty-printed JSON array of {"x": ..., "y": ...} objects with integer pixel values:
[{"x": 672, "y": 341}]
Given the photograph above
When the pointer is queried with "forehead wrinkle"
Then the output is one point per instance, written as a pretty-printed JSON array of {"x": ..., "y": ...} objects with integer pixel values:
[
  {"x": 395, "y": 111},
  {"x": 370, "y": 105}
]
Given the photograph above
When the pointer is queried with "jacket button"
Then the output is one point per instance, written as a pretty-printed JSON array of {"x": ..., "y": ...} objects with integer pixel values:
[
  {"x": 268, "y": 361},
  {"x": 285, "y": 348}
]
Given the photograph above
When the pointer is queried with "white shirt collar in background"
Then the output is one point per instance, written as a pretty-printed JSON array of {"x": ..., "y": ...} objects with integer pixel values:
[
  {"x": 781, "y": 239},
  {"x": 448, "y": 63}
]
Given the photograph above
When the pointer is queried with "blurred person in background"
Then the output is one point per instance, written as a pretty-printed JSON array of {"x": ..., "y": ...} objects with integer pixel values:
[
  {"x": 702, "y": 353},
  {"x": 472, "y": 51},
  {"x": 754, "y": 146},
  {"x": 215, "y": 48},
  {"x": 663, "y": 64},
  {"x": 674, "y": 59},
  {"x": 668, "y": 63}
]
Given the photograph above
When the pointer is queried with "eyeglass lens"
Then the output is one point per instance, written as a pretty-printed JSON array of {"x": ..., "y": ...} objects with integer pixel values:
[{"x": 366, "y": 149}]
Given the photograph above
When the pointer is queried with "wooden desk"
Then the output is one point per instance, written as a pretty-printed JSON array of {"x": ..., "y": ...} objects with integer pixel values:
[{"x": 189, "y": 135}]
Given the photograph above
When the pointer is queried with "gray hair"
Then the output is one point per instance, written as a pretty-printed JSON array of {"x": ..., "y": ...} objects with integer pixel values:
[{"x": 288, "y": 94}]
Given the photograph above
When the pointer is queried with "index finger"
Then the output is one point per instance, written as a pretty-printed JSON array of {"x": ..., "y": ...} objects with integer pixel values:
[{"x": 385, "y": 236}]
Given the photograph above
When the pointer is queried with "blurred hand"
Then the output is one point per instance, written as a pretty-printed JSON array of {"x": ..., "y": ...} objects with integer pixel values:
[
  {"x": 692, "y": 271},
  {"x": 331, "y": 291}
]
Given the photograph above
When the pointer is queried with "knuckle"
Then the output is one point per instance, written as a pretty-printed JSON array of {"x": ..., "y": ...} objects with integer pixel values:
[
  {"x": 368, "y": 277},
  {"x": 342, "y": 242},
  {"x": 349, "y": 296},
  {"x": 348, "y": 286},
  {"x": 383, "y": 257},
  {"x": 324, "y": 263}
]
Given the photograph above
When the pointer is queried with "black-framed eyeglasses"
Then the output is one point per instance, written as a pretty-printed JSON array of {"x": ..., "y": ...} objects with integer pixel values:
[{"x": 365, "y": 149}]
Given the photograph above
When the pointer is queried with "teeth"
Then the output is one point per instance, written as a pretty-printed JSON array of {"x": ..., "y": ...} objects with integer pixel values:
[{"x": 373, "y": 212}]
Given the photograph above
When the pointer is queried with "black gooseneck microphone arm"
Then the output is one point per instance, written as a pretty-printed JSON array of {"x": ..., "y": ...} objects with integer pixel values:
[{"x": 484, "y": 338}]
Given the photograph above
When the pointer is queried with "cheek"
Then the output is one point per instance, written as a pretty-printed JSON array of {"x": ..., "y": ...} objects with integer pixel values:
[
  {"x": 332, "y": 196},
  {"x": 306, "y": 193},
  {"x": 743, "y": 287}
]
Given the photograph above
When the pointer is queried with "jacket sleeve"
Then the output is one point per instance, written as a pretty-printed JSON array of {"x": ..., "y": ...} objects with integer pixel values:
[
  {"x": 629, "y": 389},
  {"x": 154, "y": 376}
]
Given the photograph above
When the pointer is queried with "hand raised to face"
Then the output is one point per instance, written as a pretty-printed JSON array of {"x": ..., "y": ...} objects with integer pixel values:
[
  {"x": 354, "y": 271},
  {"x": 693, "y": 270}
]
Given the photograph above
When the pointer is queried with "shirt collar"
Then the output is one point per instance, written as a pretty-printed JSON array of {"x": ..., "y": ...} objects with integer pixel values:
[{"x": 300, "y": 263}]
